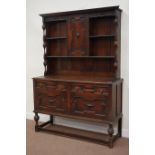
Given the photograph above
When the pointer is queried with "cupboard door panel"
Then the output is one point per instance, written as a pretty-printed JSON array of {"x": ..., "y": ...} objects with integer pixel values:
[
  {"x": 91, "y": 101},
  {"x": 78, "y": 36},
  {"x": 97, "y": 108},
  {"x": 52, "y": 103},
  {"x": 51, "y": 96}
]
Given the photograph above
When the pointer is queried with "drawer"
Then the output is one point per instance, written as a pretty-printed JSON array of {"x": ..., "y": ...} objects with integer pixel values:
[
  {"x": 91, "y": 92},
  {"x": 52, "y": 104},
  {"x": 91, "y": 101},
  {"x": 50, "y": 88},
  {"x": 51, "y": 96}
]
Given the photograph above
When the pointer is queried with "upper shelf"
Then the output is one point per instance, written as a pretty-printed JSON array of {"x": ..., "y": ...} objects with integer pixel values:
[
  {"x": 101, "y": 36},
  {"x": 91, "y": 36},
  {"x": 105, "y": 57},
  {"x": 92, "y": 10},
  {"x": 55, "y": 38},
  {"x": 81, "y": 78}
]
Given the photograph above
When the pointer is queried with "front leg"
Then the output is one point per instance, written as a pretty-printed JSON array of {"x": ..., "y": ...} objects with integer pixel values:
[
  {"x": 110, "y": 132},
  {"x": 51, "y": 119},
  {"x": 36, "y": 118},
  {"x": 120, "y": 127}
]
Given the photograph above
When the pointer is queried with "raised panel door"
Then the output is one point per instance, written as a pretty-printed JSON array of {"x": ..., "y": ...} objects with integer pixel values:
[
  {"x": 78, "y": 36},
  {"x": 51, "y": 96},
  {"x": 91, "y": 101}
]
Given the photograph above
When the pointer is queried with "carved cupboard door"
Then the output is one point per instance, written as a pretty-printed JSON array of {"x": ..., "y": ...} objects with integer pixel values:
[
  {"x": 51, "y": 96},
  {"x": 91, "y": 101},
  {"x": 78, "y": 36}
]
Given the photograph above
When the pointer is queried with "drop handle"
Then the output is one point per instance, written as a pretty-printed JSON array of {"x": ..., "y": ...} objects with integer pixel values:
[
  {"x": 77, "y": 34},
  {"x": 51, "y": 101},
  {"x": 89, "y": 105}
]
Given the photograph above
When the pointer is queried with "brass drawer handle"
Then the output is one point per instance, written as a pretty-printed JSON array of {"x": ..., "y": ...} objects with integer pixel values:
[
  {"x": 89, "y": 105},
  {"x": 51, "y": 101}
]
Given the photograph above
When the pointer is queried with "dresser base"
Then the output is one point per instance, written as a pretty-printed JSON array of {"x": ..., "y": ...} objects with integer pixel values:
[{"x": 99, "y": 138}]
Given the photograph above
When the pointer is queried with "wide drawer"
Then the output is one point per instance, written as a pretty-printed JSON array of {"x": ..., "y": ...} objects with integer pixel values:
[
  {"x": 91, "y": 100},
  {"x": 51, "y": 96}
]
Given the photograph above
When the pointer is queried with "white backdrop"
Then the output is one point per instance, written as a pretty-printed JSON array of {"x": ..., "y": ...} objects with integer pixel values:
[{"x": 35, "y": 50}]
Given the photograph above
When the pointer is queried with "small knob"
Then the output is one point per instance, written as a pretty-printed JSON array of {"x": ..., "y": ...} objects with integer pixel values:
[
  {"x": 51, "y": 101},
  {"x": 116, "y": 20},
  {"x": 77, "y": 34},
  {"x": 90, "y": 105}
]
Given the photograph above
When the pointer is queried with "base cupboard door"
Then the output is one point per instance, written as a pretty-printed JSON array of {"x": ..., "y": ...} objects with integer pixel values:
[
  {"x": 90, "y": 101},
  {"x": 51, "y": 97}
]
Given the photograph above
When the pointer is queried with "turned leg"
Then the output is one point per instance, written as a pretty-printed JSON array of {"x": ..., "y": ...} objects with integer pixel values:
[
  {"x": 51, "y": 119},
  {"x": 110, "y": 132},
  {"x": 36, "y": 118},
  {"x": 120, "y": 127}
]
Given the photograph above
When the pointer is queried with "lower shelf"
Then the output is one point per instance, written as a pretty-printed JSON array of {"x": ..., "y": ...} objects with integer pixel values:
[{"x": 99, "y": 138}]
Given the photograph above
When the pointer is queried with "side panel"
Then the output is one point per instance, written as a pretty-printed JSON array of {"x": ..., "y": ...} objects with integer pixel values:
[{"x": 116, "y": 100}]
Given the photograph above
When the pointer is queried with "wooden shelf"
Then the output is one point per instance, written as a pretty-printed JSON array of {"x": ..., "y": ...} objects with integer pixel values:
[
  {"x": 55, "y": 38},
  {"x": 103, "y": 57},
  {"x": 102, "y": 16},
  {"x": 101, "y": 36},
  {"x": 79, "y": 78},
  {"x": 55, "y": 20},
  {"x": 99, "y": 138}
]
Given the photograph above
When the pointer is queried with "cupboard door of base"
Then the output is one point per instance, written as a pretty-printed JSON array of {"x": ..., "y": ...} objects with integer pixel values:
[
  {"x": 51, "y": 97},
  {"x": 91, "y": 101}
]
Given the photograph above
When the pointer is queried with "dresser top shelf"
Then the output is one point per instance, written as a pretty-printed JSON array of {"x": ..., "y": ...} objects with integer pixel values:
[
  {"x": 79, "y": 79},
  {"x": 94, "y": 10}
]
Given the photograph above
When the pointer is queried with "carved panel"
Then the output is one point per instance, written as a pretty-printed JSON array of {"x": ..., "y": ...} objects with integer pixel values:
[
  {"x": 90, "y": 101},
  {"x": 78, "y": 41},
  {"x": 51, "y": 96},
  {"x": 91, "y": 91},
  {"x": 53, "y": 103},
  {"x": 91, "y": 108}
]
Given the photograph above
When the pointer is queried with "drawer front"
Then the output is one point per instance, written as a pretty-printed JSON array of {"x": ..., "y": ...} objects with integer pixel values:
[
  {"x": 50, "y": 88},
  {"x": 91, "y": 101},
  {"x": 51, "y": 96}
]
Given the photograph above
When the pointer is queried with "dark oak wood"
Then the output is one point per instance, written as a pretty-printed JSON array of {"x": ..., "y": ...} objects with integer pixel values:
[
  {"x": 87, "y": 11},
  {"x": 99, "y": 138},
  {"x": 36, "y": 118},
  {"x": 51, "y": 119},
  {"x": 77, "y": 34},
  {"x": 120, "y": 127},
  {"x": 82, "y": 71},
  {"x": 110, "y": 132}
]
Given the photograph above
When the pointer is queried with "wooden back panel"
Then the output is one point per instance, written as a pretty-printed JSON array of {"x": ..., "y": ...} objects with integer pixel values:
[
  {"x": 83, "y": 43},
  {"x": 81, "y": 66}
]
